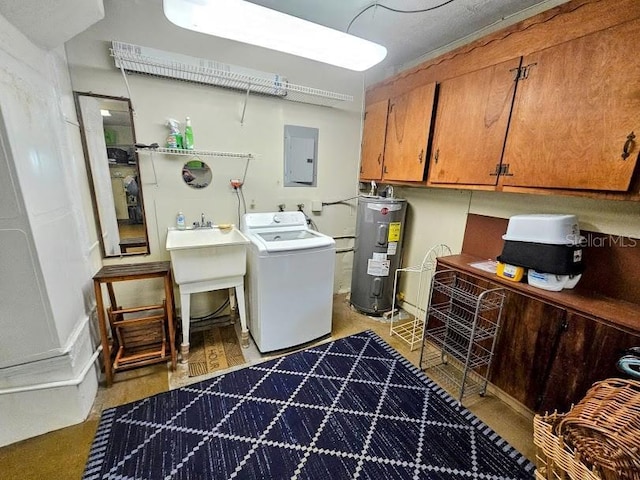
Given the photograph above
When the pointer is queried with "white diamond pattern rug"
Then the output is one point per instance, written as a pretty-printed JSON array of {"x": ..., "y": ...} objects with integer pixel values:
[{"x": 349, "y": 409}]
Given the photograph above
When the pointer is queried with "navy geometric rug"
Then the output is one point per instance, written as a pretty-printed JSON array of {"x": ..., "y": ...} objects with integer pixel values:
[{"x": 349, "y": 409}]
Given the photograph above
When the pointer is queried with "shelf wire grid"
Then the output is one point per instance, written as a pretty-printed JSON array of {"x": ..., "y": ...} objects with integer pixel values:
[
  {"x": 461, "y": 330},
  {"x": 221, "y": 75},
  {"x": 449, "y": 283},
  {"x": 462, "y": 320},
  {"x": 448, "y": 375},
  {"x": 194, "y": 153},
  {"x": 451, "y": 343}
]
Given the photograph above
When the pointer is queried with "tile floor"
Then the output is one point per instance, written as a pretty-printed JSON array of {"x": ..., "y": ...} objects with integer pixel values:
[{"x": 62, "y": 454}]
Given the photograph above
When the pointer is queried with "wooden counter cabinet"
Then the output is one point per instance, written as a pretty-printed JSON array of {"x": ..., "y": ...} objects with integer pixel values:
[
  {"x": 525, "y": 347},
  {"x": 548, "y": 353},
  {"x": 587, "y": 353}
]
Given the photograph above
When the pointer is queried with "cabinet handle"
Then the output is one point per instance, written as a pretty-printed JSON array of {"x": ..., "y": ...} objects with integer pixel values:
[
  {"x": 420, "y": 155},
  {"x": 385, "y": 169},
  {"x": 436, "y": 156},
  {"x": 379, "y": 159},
  {"x": 628, "y": 146}
]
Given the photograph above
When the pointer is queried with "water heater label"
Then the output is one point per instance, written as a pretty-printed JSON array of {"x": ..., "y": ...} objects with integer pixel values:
[
  {"x": 379, "y": 257},
  {"x": 392, "y": 248},
  {"x": 378, "y": 268},
  {"x": 394, "y": 231}
]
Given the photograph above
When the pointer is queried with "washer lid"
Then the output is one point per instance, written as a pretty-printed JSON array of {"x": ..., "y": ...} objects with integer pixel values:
[{"x": 282, "y": 240}]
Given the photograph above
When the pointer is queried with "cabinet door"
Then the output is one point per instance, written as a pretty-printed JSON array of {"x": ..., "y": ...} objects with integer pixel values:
[
  {"x": 525, "y": 346},
  {"x": 408, "y": 129},
  {"x": 587, "y": 353},
  {"x": 374, "y": 132},
  {"x": 471, "y": 124},
  {"x": 575, "y": 113}
]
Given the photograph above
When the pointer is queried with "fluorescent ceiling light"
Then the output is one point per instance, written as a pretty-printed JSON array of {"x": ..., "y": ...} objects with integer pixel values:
[
  {"x": 250, "y": 23},
  {"x": 105, "y": 113}
]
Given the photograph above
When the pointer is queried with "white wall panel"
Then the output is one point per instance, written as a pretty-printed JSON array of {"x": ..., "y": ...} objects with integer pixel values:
[{"x": 26, "y": 322}]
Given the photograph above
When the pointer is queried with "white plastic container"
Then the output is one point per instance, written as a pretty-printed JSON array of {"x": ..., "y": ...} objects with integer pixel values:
[
  {"x": 555, "y": 229},
  {"x": 549, "y": 281}
]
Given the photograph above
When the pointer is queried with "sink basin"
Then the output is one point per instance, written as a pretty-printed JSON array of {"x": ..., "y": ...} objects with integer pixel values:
[{"x": 206, "y": 254}]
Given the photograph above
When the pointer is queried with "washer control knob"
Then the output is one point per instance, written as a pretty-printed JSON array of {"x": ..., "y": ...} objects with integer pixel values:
[{"x": 276, "y": 219}]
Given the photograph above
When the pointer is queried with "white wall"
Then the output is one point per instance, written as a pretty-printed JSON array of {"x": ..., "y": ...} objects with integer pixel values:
[
  {"x": 215, "y": 115},
  {"x": 439, "y": 216}
]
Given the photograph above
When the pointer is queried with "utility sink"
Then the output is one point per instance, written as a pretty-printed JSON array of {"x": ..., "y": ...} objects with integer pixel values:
[{"x": 203, "y": 254}]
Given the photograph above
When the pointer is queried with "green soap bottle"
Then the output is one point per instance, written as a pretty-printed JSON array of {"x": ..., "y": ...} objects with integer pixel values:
[{"x": 188, "y": 135}]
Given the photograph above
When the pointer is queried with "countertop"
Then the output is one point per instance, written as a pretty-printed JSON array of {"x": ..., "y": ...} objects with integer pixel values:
[{"x": 618, "y": 313}]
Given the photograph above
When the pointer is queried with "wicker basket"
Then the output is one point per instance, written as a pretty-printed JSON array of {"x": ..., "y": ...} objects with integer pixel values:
[
  {"x": 604, "y": 427},
  {"x": 599, "y": 439},
  {"x": 555, "y": 460}
]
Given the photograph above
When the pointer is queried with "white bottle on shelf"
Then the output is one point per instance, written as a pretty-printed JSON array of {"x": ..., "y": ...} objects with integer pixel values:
[{"x": 180, "y": 221}]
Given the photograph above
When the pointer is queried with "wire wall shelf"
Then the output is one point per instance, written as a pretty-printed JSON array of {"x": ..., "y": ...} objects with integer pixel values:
[
  {"x": 194, "y": 153},
  {"x": 136, "y": 59}
]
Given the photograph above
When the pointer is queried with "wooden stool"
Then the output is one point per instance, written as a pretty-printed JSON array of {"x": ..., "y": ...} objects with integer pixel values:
[
  {"x": 139, "y": 333},
  {"x": 140, "y": 340},
  {"x": 126, "y": 243}
]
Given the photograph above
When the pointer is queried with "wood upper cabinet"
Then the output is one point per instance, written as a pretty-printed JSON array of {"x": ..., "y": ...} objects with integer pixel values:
[
  {"x": 408, "y": 130},
  {"x": 575, "y": 114},
  {"x": 471, "y": 125},
  {"x": 374, "y": 133}
]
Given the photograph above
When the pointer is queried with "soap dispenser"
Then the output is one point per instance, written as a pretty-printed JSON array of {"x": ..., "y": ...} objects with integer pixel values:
[{"x": 180, "y": 221}]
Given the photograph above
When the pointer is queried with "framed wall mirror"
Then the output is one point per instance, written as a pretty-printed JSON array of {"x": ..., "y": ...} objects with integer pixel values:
[{"x": 108, "y": 140}]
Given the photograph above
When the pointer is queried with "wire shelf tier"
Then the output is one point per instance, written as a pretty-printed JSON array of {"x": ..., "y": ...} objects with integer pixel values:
[
  {"x": 461, "y": 327},
  {"x": 131, "y": 58},
  {"x": 452, "y": 343},
  {"x": 448, "y": 375},
  {"x": 471, "y": 294},
  {"x": 193, "y": 153},
  {"x": 410, "y": 332},
  {"x": 463, "y": 321}
]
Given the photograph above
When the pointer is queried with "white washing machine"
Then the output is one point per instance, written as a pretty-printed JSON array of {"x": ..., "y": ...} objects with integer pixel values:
[{"x": 289, "y": 280}]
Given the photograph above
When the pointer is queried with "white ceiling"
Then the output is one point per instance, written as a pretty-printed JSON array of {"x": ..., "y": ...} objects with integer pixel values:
[{"x": 409, "y": 36}]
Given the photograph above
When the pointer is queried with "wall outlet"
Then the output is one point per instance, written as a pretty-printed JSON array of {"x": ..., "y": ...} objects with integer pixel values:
[{"x": 316, "y": 206}]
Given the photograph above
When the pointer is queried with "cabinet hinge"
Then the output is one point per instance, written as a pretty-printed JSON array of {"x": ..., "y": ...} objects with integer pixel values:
[
  {"x": 521, "y": 73},
  {"x": 501, "y": 169}
]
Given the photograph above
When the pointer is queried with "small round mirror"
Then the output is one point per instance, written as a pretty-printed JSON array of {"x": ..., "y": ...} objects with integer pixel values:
[{"x": 196, "y": 173}]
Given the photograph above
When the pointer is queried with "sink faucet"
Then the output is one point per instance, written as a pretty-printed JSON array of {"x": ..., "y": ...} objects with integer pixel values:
[{"x": 203, "y": 223}]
